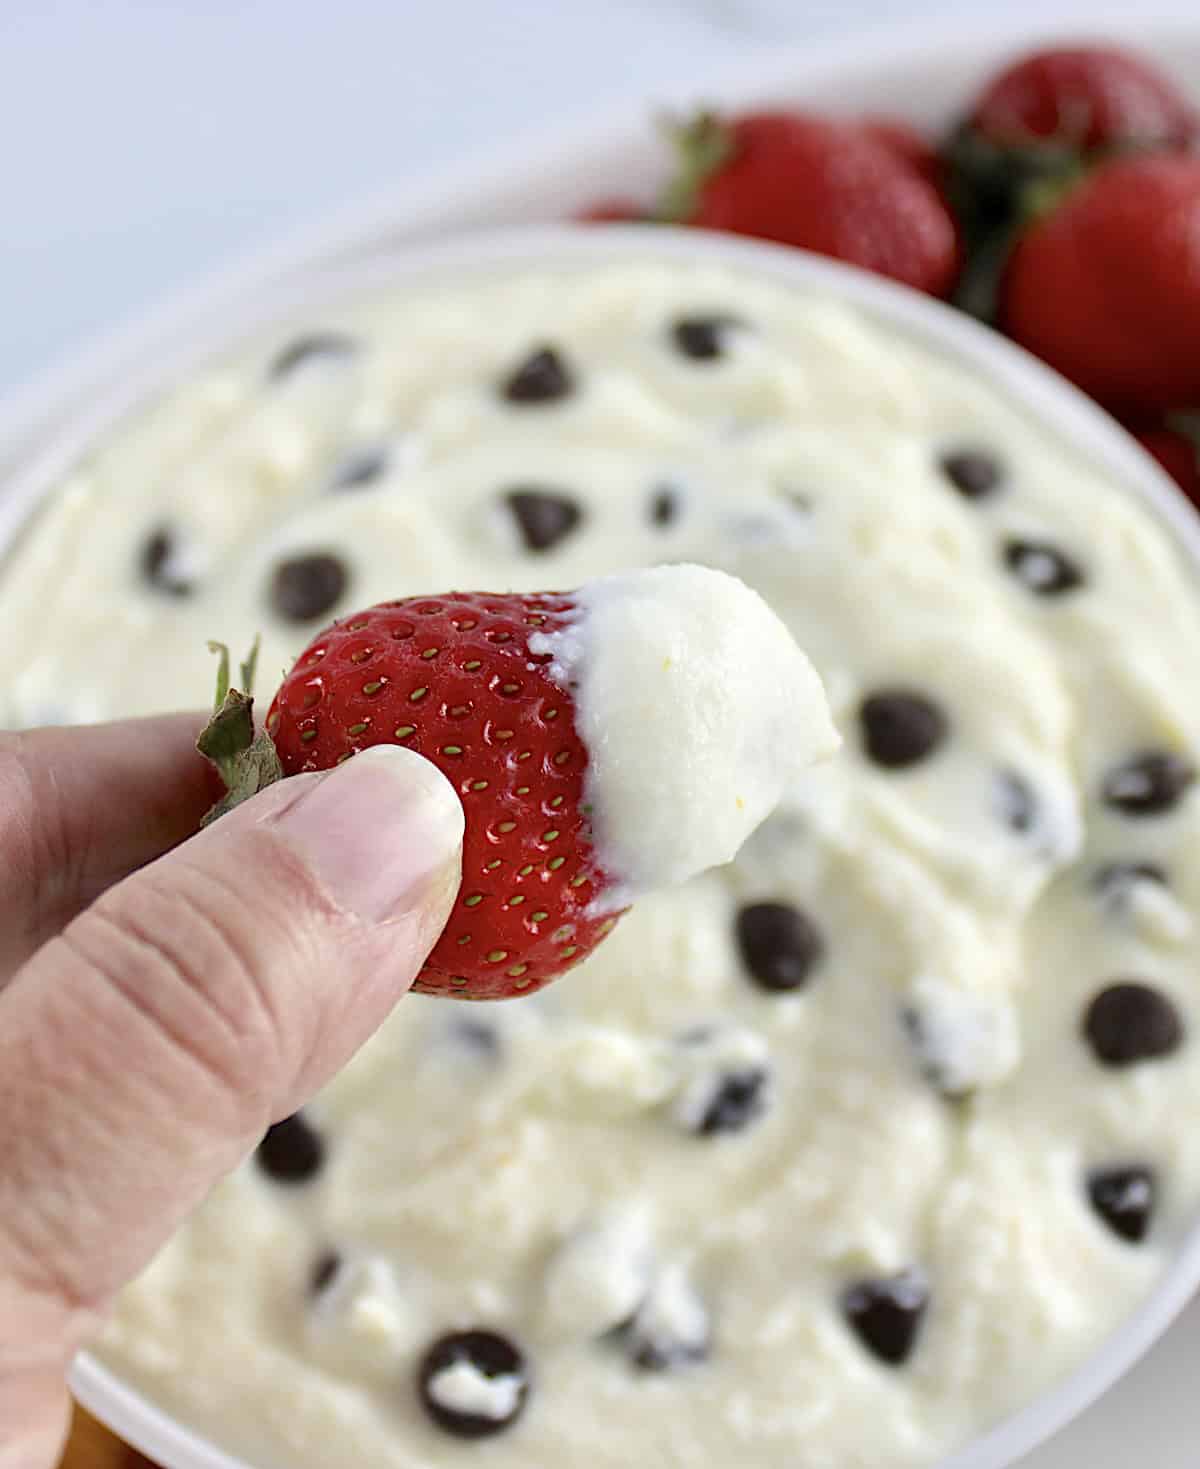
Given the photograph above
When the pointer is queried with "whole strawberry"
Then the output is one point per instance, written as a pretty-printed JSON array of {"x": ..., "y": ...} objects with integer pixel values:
[
  {"x": 452, "y": 677},
  {"x": 1083, "y": 98},
  {"x": 838, "y": 188},
  {"x": 1106, "y": 287}
]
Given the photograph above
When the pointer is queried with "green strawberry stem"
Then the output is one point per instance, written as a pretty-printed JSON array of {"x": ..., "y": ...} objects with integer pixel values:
[
  {"x": 247, "y": 762},
  {"x": 703, "y": 143},
  {"x": 996, "y": 192},
  {"x": 1187, "y": 425}
]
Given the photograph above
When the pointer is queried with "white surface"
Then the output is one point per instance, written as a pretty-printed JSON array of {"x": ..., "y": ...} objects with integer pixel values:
[
  {"x": 147, "y": 143},
  {"x": 1041, "y": 393},
  {"x": 188, "y": 136}
]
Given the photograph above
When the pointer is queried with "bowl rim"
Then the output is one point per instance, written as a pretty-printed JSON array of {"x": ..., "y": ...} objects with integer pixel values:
[{"x": 1047, "y": 398}]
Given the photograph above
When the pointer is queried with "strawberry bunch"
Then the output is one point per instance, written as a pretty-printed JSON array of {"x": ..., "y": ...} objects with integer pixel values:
[{"x": 1064, "y": 208}]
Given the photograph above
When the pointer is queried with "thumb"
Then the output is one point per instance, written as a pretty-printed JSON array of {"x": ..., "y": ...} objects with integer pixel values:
[{"x": 144, "y": 1051}]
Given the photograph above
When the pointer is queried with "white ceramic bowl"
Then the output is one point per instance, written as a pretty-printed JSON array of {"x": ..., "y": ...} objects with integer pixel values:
[{"x": 1043, "y": 395}]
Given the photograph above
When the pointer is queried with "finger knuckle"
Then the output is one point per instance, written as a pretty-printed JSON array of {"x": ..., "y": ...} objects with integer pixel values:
[{"x": 189, "y": 974}]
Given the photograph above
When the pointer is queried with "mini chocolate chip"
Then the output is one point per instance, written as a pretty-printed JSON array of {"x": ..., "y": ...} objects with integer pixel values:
[
  {"x": 886, "y": 1315},
  {"x": 159, "y": 564},
  {"x": 1044, "y": 569},
  {"x": 477, "y": 1036},
  {"x": 1148, "y": 783},
  {"x": 703, "y": 338},
  {"x": 1128, "y": 1022},
  {"x": 490, "y": 1356},
  {"x": 359, "y": 470},
  {"x": 1124, "y": 1198},
  {"x": 308, "y": 586},
  {"x": 740, "y": 1098},
  {"x": 1016, "y": 801},
  {"x": 543, "y": 377},
  {"x": 974, "y": 473},
  {"x": 1115, "y": 881},
  {"x": 307, "y": 349},
  {"x": 900, "y": 727},
  {"x": 544, "y": 517},
  {"x": 292, "y": 1151},
  {"x": 780, "y": 945},
  {"x": 324, "y": 1271},
  {"x": 664, "y": 506}
]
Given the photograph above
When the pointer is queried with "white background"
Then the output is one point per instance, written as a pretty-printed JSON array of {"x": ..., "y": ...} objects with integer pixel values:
[
  {"x": 146, "y": 142},
  {"x": 143, "y": 142}
]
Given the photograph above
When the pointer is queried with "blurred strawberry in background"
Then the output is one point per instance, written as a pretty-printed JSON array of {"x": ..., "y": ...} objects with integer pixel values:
[
  {"x": 858, "y": 192},
  {"x": 1105, "y": 285},
  {"x": 1064, "y": 207}
]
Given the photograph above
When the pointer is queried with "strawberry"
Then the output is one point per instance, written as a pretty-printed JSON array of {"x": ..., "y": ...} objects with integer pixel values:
[
  {"x": 1106, "y": 287},
  {"x": 907, "y": 143},
  {"x": 612, "y": 211},
  {"x": 1036, "y": 129},
  {"x": 1083, "y": 98},
  {"x": 1175, "y": 443},
  {"x": 453, "y": 678},
  {"x": 839, "y": 188}
]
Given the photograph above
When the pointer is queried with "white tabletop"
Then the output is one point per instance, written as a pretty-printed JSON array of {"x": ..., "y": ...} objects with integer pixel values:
[{"x": 145, "y": 144}]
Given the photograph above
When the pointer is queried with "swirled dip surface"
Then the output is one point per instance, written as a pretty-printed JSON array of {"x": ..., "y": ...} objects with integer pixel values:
[{"x": 828, "y": 1159}]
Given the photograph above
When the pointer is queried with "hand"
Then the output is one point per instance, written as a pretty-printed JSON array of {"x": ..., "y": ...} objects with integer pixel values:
[{"x": 158, "y": 1012}]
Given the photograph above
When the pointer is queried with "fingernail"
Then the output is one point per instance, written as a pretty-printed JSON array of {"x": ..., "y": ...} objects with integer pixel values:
[{"x": 383, "y": 832}]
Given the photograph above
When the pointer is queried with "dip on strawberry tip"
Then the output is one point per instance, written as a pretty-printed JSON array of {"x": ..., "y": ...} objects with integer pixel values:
[{"x": 698, "y": 710}]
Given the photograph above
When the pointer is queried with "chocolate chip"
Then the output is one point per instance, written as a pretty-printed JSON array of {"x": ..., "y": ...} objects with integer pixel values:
[
  {"x": 664, "y": 506},
  {"x": 886, "y": 1314},
  {"x": 738, "y": 1099},
  {"x": 671, "y": 1328},
  {"x": 358, "y": 470},
  {"x": 543, "y": 377},
  {"x": 1124, "y": 1198},
  {"x": 324, "y": 1271},
  {"x": 485, "y": 1355},
  {"x": 1045, "y": 570},
  {"x": 476, "y": 1036},
  {"x": 1148, "y": 783},
  {"x": 1016, "y": 802},
  {"x": 703, "y": 338},
  {"x": 974, "y": 473},
  {"x": 292, "y": 1151},
  {"x": 159, "y": 562},
  {"x": 329, "y": 345},
  {"x": 1116, "y": 881},
  {"x": 780, "y": 945},
  {"x": 544, "y": 517},
  {"x": 900, "y": 727},
  {"x": 1130, "y": 1022},
  {"x": 308, "y": 586}
]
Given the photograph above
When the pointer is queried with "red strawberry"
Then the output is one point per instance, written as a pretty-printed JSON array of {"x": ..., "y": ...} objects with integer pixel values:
[
  {"x": 824, "y": 185},
  {"x": 1176, "y": 446},
  {"x": 1106, "y": 287},
  {"x": 1035, "y": 130},
  {"x": 906, "y": 142},
  {"x": 452, "y": 677},
  {"x": 612, "y": 211},
  {"x": 1083, "y": 98}
]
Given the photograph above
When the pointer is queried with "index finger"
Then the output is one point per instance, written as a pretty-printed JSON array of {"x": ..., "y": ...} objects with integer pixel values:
[{"x": 82, "y": 808}]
